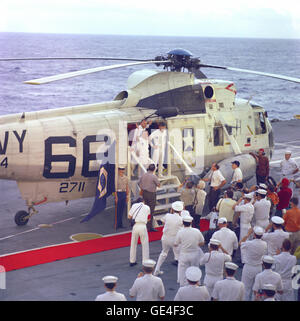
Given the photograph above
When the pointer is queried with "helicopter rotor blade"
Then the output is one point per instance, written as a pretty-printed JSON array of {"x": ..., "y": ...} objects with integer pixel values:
[
  {"x": 71, "y": 58},
  {"x": 49, "y": 79},
  {"x": 293, "y": 79}
]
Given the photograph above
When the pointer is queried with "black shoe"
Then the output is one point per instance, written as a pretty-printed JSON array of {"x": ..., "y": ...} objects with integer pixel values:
[
  {"x": 175, "y": 263},
  {"x": 153, "y": 230},
  {"x": 132, "y": 264}
]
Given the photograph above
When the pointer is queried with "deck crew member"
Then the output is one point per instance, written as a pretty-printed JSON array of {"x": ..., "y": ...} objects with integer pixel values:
[
  {"x": 148, "y": 184},
  {"x": 226, "y": 236},
  {"x": 224, "y": 207},
  {"x": 172, "y": 224},
  {"x": 237, "y": 173},
  {"x": 147, "y": 287},
  {"x": 140, "y": 213},
  {"x": 268, "y": 292},
  {"x": 262, "y": 208},
  {"x": 284, "y": 264},
  {"x": 158, "y": 141},
  {"x": 263, "y": 167},
  {"x": 110, "y": 283},
  {"x": 214, "y": 264},
  {"x": 189, "y": 239},
  {"x": 275, "y": 239},
  {"x": 193, "y": 291},
  {"x": 289, "y": 168},
  {"x": 121, "y": 196},
  {"x": 188, "y": 197},
  {"x": 229, "y": 289},
  {"x": 267, "y": 276},
  {"x": 252, "y": 254}
]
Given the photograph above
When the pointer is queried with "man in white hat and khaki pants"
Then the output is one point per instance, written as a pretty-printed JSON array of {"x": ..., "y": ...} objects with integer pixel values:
[
  {"x": 229, "y": 289},
  {"x": 172, "y": 224},
  {"x": 110, "y": 283},
  {"x": 193, "y": 291},
  {"x": 289, "y": 168},
  {"x": 262, "y": 208},
  {"x": 189, "y": 239},
  {"x": 252, "y": 254},
  {"x": 214, "y": 261},
  {"x": 147, "y": 287}
]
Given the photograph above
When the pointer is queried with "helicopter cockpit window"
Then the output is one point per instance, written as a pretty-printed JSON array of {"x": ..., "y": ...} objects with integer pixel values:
[
  {"x": 218, "y": 136},
  {"x": 260, "y": 124}
]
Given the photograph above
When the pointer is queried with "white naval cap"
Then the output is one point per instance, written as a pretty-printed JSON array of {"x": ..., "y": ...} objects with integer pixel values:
[
  {"x": 149, "y": 263},
  {"x": 110, "y": 279},
  {"x": 187, "y": 219},
  {"x": 249, "y": 196},
  {"x": 277, "y": 220},
  {"x": 261, "y": 191},
  {"x": 214, "y": 242},
  {"x": 177, "y": 206},
  {"x": 193, "y": 273},
  {"x": 222, "y": 220},
  {"x": 269, "y": 286},
  {"x": 262, "y": 185},
  {"x": 268, "y": 259},
  {"x": 258, "y": 230},
  {"x": 231, "y": 266},
  {"x": 185, "y": 213},
  {"x": 288, "y": 151}
]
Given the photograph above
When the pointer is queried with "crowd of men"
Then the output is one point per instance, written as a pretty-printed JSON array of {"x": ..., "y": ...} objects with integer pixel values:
[{"x": 254, "y": 229}]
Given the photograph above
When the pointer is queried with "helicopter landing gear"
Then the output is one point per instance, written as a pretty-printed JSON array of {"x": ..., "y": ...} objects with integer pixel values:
[{"x": 22, "y": 217}]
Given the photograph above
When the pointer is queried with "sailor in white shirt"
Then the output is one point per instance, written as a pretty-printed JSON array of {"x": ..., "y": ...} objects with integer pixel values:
[
  {"x": 276, "y": 238},
  {"x": 268, "y": 292},
  {"x": 140, "y": 212},
  {"x": 226, "y": 236},
  {"x": 252, "y": 252},
  {"x": 193, "y": 291},
  {"x": 261, "y": 209},
  {"x": 214, "y": 264},
  {"x": 147, "y": 287},
  {"x": 289, "y": 168},
  {"x": 189, "y": 239},
  {"x": 245, "y": 211},
  {"x": 110, "y": 283},
  {"x": 158, "y": 141},
  {"x": 237, "y": 173},
  {"x": 284, "y": 264},
  {"x": 172, "y": 224},
  {"x": 229, "y": 289},
  {"x": 267, "y": 276}
]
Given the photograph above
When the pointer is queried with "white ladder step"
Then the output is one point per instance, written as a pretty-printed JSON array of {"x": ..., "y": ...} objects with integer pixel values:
[
  {"x": 166, "y": 187},
  {"x": 167, "y": 195},
  {"x": 163, "y": 207}
]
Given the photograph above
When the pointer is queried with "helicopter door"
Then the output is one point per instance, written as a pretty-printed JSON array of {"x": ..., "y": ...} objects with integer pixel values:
[{"x": 260, "y": 123}]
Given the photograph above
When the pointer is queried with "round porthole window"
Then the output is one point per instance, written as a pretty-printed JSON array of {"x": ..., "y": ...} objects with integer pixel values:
[{"x": 208, "y": 92}]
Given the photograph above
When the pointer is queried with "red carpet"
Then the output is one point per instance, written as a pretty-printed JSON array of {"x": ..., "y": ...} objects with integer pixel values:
[{"x": 52, "y": 253}]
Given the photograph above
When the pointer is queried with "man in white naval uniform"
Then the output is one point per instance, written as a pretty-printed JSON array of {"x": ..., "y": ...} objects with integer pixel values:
[
  {"x": 229, "y": 289},
  {"x": 110, "y": 283},
  {"x": 193, "y": 291},
  {"x": 158, "y": 141},
  {"x": 276, "y": 238},
  {"x": 245, "y": 212},
  {"x": 147, "y": 287},
  {"x": 189, "y": 239},
  {"x": 261, "y": 209},
  {"x": 289, "y": 168},
  {"x": 252, "y": 254},
  {"x": 214, "y": 261},
  {"x": 268, "y": 292},
  {"x": 226, "y": 236},
  {"x": 267, "y": 276},
  {"x": 172, "y": 224},
  {"x": 284, "y": 263}
]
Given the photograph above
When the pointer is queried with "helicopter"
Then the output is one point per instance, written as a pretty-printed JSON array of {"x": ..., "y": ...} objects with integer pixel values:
[{"x": 54, "y": 155}]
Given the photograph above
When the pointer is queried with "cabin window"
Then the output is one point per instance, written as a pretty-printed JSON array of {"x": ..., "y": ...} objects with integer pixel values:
[
  {"x": 260, "y": 123},
  {"x": 218, "y": 136}
]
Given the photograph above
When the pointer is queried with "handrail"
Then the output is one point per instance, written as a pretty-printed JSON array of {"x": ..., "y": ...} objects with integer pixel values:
[{"x": 138, "y": 162}]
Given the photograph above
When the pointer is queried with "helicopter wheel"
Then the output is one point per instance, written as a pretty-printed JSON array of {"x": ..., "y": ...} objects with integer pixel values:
[{"x": 21, "y": 218}]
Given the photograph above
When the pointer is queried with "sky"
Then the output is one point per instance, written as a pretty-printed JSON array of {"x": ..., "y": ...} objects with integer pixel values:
[{"x": 226, "y": 18}]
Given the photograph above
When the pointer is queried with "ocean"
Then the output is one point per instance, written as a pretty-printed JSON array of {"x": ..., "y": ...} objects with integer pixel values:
[{"x": 280, "y": 56}]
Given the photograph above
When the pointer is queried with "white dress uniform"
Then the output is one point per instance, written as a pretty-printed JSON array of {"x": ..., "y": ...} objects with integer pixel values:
[
  {"x": 139, "y": 230},
  {"x": 252, "y": 253},
  {"x": 284, "y": 262},
  {"x": 172, "y": 224},
  {"x": 188, "y": 238},
  {"x": 237, "y": 175},
  {"x": 227, "y": 238},
  {"x": 229, "y": 289},
  {"x": 111, "y": 296},
  {"x": 262, "y": 212},
  {"x": 267, "y": 276},
  {"x": 214, "y": 268},
  {"x": 247, "y": 212},
  {"x": 288, "y": 167},
  {"x": 274, "y": 240},
  {"x": 148, "y": 288},
  {"x": 192, "y": 293},
  {"x": 158, "y": 140}
]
